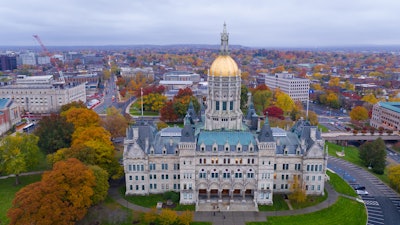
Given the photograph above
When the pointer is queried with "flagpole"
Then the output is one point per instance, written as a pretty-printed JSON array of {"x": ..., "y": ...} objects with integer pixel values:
[{"x": 141, "y": 98}]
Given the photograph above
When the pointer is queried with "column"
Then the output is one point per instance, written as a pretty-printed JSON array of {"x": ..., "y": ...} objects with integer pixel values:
[
  {"x": 208, "y": 195},
  {"x": 244, "y": 195},
  {"x": 231, "y": 194}
]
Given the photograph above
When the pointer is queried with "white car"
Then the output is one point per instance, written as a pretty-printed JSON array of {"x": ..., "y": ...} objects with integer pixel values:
[{"x": 362, "y": 192}]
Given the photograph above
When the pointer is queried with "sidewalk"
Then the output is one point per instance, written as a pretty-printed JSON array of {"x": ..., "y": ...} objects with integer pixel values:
[{"x": 237, "y": 218}]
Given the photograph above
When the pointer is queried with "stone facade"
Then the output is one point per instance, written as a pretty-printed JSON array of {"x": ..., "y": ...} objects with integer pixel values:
[{"x": 386, "y": 115}]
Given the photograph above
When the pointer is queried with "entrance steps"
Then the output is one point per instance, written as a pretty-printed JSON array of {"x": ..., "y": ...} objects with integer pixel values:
[{"x": 226, "y": 206}]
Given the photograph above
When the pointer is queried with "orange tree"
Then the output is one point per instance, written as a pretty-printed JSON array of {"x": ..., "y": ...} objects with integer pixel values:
[
  {"x": 359, "y": 113},
  {"x": 61, "y": 197}
]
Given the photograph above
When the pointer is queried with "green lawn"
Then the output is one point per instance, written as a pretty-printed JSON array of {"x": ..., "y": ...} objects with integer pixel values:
[
  {"x": 310, "y": 201},
  {"x": 279, "y": 204},
  {"x": 323, "y": 128},
  {"x": 8, "y": 190},
  {"x": 340, "y": 185},
  {"x": 136, "y": 110},
  {"x": 343, "y": 212},
  {"x": 351, "y": 153},
  {"x": 150, "y": 201}
]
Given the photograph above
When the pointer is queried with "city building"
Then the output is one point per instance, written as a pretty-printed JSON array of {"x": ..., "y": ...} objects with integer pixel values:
[
  {"x": 8, "y": 62},
  {"x": 219, "y": 156},
  {"x": 9, "y": 115},
  {"x": 296, "y": 88},
  {"x": 130, "y": 72},
  {"x": 386, "y": 115},
  {"x": 41, "y": 94}
]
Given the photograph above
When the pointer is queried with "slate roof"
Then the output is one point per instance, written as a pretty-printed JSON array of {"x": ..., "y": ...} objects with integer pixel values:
[
  {"x": 394, "y": 106},
  {"x": 222, "y": 137}
]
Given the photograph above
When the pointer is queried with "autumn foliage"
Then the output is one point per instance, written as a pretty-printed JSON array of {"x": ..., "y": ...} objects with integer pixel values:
[
  {"x": 274, "y": 111},
  {"x": 61, "y": 197}
]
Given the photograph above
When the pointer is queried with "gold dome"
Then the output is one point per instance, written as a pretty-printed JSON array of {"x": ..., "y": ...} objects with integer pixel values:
[{"x": 224, "y": 66}]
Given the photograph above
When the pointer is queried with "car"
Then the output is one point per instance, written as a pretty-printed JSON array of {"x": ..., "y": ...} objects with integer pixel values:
[
  {"x": 362, "y": 192},
  {"x": 361, "y": 188}
]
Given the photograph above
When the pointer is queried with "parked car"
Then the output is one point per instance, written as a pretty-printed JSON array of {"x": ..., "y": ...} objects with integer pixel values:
[{"x": 362, "y": 192}]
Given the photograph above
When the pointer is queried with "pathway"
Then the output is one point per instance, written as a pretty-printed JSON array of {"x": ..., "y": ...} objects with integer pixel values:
[{"x": 237, "y": 218}]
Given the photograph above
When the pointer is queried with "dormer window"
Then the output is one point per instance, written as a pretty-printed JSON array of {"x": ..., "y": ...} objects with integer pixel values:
[
  {"x": 164, "y": 152},
  {"x": 239, "y": 147}
]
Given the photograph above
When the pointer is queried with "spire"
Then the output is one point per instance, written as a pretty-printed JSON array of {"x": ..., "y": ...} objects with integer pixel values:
[{"x": 224, "y": 41}]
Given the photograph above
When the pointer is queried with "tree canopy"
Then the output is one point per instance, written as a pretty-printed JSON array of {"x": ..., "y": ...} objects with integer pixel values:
[
  {"x": 373, "y": 154},
  {"x": 115, "y": 122},
  {"x": 61, "y": 197},
  {"x": 359, "y": 113},
  {"x": 54, "y": 132},
  {"x": 18, "y": 154}
]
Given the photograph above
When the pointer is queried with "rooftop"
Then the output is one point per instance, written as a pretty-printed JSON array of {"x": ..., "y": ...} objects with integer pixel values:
[{"x": 394, "y": 106}]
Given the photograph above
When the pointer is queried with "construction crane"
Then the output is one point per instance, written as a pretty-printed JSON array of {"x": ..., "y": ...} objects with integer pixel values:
[{"x": 52, "y": 59}]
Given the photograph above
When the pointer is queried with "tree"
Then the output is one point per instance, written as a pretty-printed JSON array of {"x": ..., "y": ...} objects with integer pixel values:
[
  {"x": 274, "y": 111},
  {"x": 167, "y": 217},
  {"x": 332, "y": 100},
  {"x": 359, "y": 113},
  {"x": 285, "y": 102},
  {"x": 154, "y": 102},
  {"x": 61, "y": 197},
  {"x": 298, "y": 193},
  {"x": 18, "y": 154},
  {"x": 100, "y": 189},
  {"x": 370, "y": 98},
  {"x": 54, "y": 132},
  {"x": 334, "y": 82},
  {"x": 394, "y": 176},
  {"x": 262, "y": 99},
  {"x": 82, "y": 117},
  {"x": 185, "y": 218},
  {"x": 161, "y": 125},
  {"x": 68, "y": 106},
  {"x": 244, "y": 97},
  {"x": 167, "y": 113},
  {"x": 181, "y": 105},
  {"x": 115, "y": 122},
  {"x": 373, "y": 154}
]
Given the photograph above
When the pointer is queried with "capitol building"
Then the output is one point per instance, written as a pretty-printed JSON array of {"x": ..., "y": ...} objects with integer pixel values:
[{"x": 222, "y": 156}]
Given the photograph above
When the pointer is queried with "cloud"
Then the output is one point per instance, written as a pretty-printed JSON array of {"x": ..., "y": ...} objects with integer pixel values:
[{"x": 252, "y": 23}]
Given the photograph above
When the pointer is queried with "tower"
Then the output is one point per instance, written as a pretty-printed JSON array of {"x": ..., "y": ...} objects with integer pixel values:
[{"x": 224, "y": 81}]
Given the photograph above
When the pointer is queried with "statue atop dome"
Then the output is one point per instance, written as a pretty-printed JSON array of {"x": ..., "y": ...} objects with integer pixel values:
[{"x": 224, "y": 41}]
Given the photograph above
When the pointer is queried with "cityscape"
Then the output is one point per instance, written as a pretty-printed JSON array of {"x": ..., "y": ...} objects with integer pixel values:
[{"x": 203, "y": 121}]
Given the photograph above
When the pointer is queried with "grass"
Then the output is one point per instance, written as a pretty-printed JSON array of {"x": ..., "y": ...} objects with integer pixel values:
[
  {"x": 344, "y": 211},
  {"x": 150, "y": 201},
  {"x": 351, "y": 153},
  {"x": 136, "y": 110},
  {"x": 8, "y": 190},
  {"x": 310, "y": 201},
  {"x": 323, "y": 128},
  {"x": 340, "y": 185},
  {"x": 278, "y": 204}
]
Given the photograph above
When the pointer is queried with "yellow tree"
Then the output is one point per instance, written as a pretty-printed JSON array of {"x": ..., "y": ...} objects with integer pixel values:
[
  {"x": 185, "y": 218},
  {"x": 285, "y": 102},
  {"x": 394, "y": 176},
  {"x": 317, "y": 76},
  {"x": 359, "y": 113},
  {"x": 154, "y": 101},
  {"x": 82, "y": 117},
  {"x": 167, "y": 217},
  {"x": 334, "y": 82},
  {"x": 298, "y": 192},
  {"x": 370, "y": 98},
  {"x": 317, "y": 87}
]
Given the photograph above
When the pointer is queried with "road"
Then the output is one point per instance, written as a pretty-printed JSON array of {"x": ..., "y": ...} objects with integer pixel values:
[
  {"x": 333, "y": 119},
  {"x": 382, "y": 203}
]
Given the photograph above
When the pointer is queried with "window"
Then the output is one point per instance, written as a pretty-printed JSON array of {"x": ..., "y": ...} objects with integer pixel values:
[
  {"x": 274, "y": 166},
  {"x": 142, "y": 177},
  {"x": 231, "y": 105},
  {"x": 162, "y": 176},
  {"x": 137, "y": 187},
  {"x": 142, "y": 167},
  {"x": 152, "y": 166},
  {"x": 226, "y": 175},
  {"x": 130, "y": 177},
  {"x": 224, "y": 106},
  {"x": 136, "y": 178},
  {"x": 155, "y": 186},
  {"x": 164, "y": 166},
  {"x": 319, "y": 178},
  {"x": 151, "y": 186},
  {"x": 217, "y": 105},
  {"x": 143, "y": 187},
  {"x": 320, "y": 167},
  {"x": 283, "y": 176},
  {"x": 130, "y": 187}
]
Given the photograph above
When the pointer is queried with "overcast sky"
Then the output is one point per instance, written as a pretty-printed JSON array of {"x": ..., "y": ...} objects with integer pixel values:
[{"x": 253, "y": 23}]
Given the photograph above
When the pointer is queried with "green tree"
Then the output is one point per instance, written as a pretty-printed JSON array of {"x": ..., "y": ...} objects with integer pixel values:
[
  {"x": 100, "y": 189},
  {"x": 78, "y": 104},
  {"x": 261, "y": 100},
  {"x": 54, "y": 133},
  {"x": 18, "y": 154},
  {"x": 244, "y": 98},
  {"x": 373, "y": 154}
]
